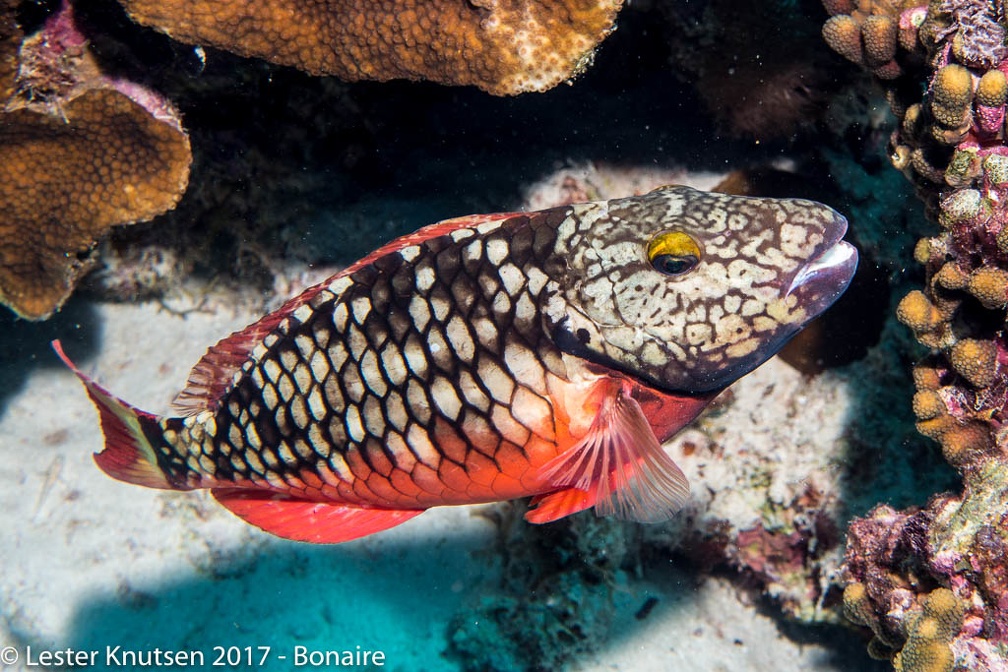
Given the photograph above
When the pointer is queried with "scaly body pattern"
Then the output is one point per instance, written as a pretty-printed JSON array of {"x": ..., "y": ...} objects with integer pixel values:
[{"x": 544, "y": 354}]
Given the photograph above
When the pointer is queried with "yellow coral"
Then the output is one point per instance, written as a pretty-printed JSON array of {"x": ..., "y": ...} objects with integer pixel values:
[
  {"x": 963, "y": 442},
  {"x": 951, "y": 276},
  {"x": 946, "y": 610},
  {"x": 975, "y": 360},
  {"x": 924, "y": 656},
  {"x": 926, "y": 377},
  {"x": 917, "y": 312},
  {"x": 930, "y": 633},
  {"x": 928, "y": 404},
  {"x": 504, "y": 48},
  {"x": 992, "y": 89},
  {"x": 952, "y": 95},
  {"x": 843, "y": 34},
  {"x": 879, "y": 36},
  {"x": 990, "y": 286},
  {"x": 856, "y": 606}
]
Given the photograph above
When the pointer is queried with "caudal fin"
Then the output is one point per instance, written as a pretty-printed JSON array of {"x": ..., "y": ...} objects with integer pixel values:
[{"x": 128, "y": 454}]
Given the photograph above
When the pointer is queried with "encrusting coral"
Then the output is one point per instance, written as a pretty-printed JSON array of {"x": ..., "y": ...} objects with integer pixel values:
[
  {"x": 503, "y": 47},
  {"x": 79, "y": 153},
  {"x": 930, "y": 582}
]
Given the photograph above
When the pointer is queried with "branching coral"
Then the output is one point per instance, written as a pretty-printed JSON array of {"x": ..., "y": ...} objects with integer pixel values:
[
  {"x": 504, "y": 47},
  {"x": 79, "y": 153},
  {"x": 952, "y": 144}
]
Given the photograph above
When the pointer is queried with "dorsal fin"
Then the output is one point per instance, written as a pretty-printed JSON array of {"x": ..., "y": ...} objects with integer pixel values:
[{"x": 214, "y": 373}]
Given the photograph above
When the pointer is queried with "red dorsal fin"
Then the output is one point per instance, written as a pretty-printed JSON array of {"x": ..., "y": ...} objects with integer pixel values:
[
  {"x": 214, "y": 373},
  {"x": 619, "y": 466},
  {"x": 302, "y": 520}
]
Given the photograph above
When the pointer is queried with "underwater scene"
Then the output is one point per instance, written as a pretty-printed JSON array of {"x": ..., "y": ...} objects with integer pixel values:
[{"x": 498, "y": 335}]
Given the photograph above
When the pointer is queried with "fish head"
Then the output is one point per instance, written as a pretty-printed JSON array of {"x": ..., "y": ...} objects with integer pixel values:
[{"x": 689, "y": 290}]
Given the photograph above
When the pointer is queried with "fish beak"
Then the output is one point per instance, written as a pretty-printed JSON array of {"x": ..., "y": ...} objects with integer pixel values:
[{"x": 828, "y": 273}]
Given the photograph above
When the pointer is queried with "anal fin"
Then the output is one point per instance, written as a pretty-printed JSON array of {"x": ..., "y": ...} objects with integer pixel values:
[
  {"x": 303, "y": 520},
  {"x": 619, "y": 467}
]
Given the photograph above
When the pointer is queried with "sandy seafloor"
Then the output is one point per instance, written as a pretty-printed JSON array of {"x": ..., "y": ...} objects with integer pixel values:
[{"x": 89, "y": 562}]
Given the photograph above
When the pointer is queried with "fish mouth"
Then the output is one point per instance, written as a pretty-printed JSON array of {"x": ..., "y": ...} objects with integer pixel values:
[{"x": 828, "y": 273}]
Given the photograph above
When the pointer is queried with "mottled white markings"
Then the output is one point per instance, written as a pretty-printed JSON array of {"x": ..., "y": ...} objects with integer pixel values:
[
  {"x": 461, "y": 341},
  {"x": 299, "y": 413},
  {"x": 372, "y": 373},
  {"x": 319, "y": 365},
  {"x": 424, "y": 278},
  {"x": 419, "y": 312},
  {"x": 361, "y": 307},
  {"x": 302, "y": 313},
  {"x": 272, "y": 370},
  {"x": 524, "y": 366},
  {"x": 410, "y": 253},
  {"x": 422, "y": 446},
  {"x": 316, "y": 404},
  {"x": 395, "y": 411},
  {"x": 441, "y": 307},
  {"x": 496, "y": 251},
  {"x": 394, "y": 364},
  {"x": 473, "y": 251},
  {"x": 445, "y": 397},
  {"x": 498, "y": 382},
  {"x": 511, "y": 278},
  {"x": 269, "y": 396},
  {"x": 302, "y": 378},
  {"x": 354, "y": 425}
]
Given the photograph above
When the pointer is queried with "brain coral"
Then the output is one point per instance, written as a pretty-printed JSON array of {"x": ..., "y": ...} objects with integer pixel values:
[
  {"x": 504, "y": 47},
  {"x": 79, "y": 153}
]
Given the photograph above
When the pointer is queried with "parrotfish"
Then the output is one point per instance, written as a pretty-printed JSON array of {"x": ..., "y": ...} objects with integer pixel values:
[{"x": 491, "y": 357}]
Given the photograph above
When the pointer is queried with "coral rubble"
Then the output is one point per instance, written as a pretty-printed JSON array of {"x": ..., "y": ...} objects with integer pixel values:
[
  {"x": 907, "y": 569},
  {"x": 504, "y": 48},
  {"x": 80, "y": 152}
]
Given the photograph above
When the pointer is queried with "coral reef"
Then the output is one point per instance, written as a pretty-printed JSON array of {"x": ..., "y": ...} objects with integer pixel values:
[
  {"x": 910, "y": 570},
  {"x": 79, "y": 153},
  {"x": 504, "y": 48}
]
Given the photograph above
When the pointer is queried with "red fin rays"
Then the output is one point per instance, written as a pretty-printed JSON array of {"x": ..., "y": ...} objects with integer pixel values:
[
  {"x": 619, "y": 466},
  {"x": 301, "y": 520},
  {"x": 128, "y": 455}
]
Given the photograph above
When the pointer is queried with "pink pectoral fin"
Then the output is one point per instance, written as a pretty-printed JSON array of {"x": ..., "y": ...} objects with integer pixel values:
[
  {"x": 619, "y": 467},
  {"x": 301, "y": 520}
]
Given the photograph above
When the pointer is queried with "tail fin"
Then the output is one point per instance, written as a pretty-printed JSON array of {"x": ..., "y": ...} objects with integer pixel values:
[{"x": 128, "y": 454}]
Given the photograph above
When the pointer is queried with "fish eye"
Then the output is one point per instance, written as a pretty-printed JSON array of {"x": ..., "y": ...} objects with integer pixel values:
[{"x": 673, "y": 253}]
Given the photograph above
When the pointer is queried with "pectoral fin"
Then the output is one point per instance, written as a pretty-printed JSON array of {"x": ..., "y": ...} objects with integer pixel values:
[{"x": 619, "y": 467}]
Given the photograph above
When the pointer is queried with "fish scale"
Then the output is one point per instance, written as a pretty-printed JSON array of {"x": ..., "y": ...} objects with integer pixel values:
[
  {"x": 459, "y": 386},
  {"x": 490, "y": 357}
]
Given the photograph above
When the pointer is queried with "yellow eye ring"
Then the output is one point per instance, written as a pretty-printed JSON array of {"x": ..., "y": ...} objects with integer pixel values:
[{"x": 673, "y": 253}]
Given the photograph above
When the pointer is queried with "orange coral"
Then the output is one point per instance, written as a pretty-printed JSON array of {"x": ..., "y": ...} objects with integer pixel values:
[
  {"x": 504, "y": 47},
  {"x": 78, "y": 155},
  {"x": 65, "y": 183},
  {"x": 10, "y": 35}
]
